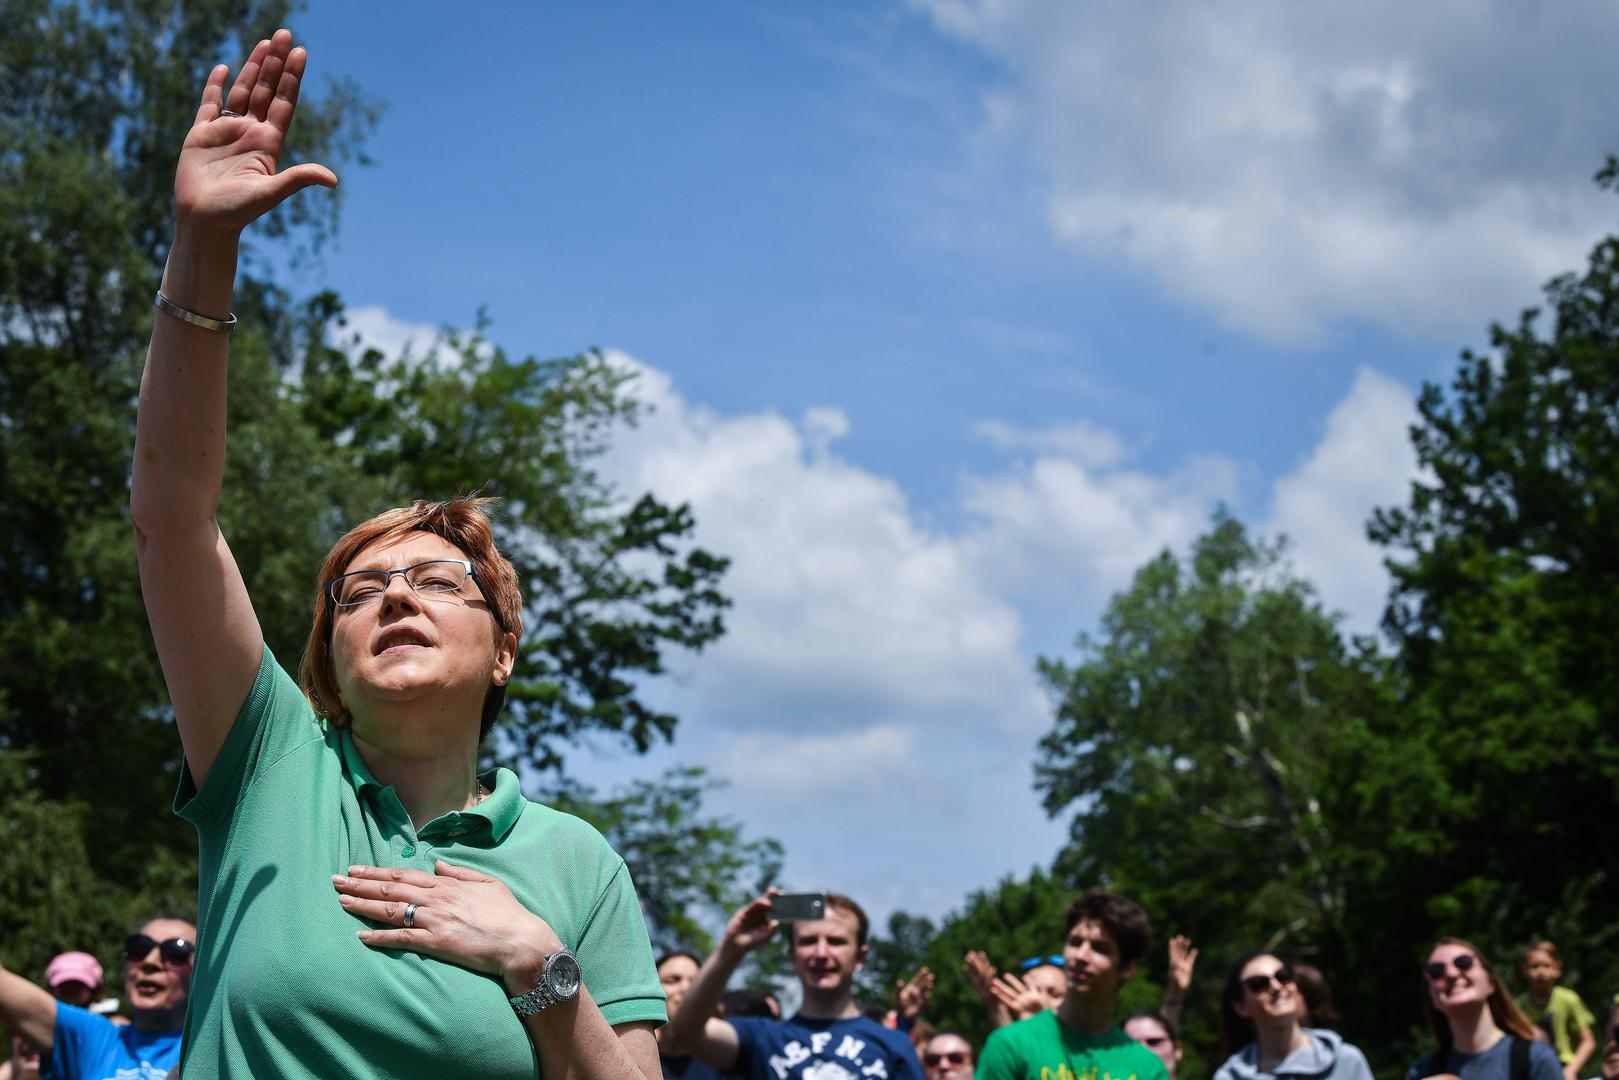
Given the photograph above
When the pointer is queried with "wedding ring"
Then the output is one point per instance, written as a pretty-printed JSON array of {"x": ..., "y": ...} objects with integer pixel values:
[{"x": 410, "y": 916}]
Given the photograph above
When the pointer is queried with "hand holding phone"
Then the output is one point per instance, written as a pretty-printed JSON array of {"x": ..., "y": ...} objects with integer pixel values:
[{"x": 798, "y": 906}]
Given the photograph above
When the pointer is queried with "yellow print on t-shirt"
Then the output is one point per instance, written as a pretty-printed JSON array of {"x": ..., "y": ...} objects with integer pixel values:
[{"x": 1063, "y": 1072}]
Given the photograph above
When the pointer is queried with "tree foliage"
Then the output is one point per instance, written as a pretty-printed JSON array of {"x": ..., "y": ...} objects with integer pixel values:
[
  {"x": 691, "y": 871},
  {"x": 95, "y": 99}
]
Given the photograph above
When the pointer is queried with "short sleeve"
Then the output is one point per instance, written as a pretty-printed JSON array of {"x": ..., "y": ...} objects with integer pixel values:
[
  {"x": 999, "y": 1060},
  {"x": 82, "y": 1040},
  {"x": 1543, "y": 1062},
  {"x": 1580, "y": 1015},
  {"x": 750, "y": 1033},
  {"x": 275, "y": 720},
  {"x": 907, "y": 1066},
  {"x": 615, "y": 956}
]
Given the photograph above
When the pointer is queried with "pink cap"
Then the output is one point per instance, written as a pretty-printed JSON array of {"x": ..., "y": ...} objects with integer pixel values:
[{"x": 73, "y": 967}]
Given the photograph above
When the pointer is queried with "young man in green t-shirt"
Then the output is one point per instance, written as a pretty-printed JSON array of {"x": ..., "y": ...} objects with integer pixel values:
[{"x": 1078, "y": 1040}]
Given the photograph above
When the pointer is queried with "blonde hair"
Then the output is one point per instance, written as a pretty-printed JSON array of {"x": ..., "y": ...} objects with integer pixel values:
[{"x": 461, "y": 521}]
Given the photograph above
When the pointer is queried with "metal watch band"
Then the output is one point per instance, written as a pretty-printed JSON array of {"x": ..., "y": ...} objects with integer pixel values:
[
  {"x": 548, "y": 991},
  {"x": 169, "y": 307},
  {"x": 536, "y": 999}
]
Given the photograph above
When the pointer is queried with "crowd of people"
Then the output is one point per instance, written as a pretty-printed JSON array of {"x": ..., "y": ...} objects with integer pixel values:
[
  {"x": 371, "y": 903},
  {"x": 1052, "y": 1017}
]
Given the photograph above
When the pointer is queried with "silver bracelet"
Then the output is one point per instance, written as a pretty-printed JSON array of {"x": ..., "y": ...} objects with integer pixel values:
[{"x": 224, "y": 326}]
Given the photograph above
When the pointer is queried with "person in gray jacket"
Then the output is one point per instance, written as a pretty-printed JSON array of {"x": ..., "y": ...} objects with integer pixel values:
[{"x": 1262, "y": 1028}]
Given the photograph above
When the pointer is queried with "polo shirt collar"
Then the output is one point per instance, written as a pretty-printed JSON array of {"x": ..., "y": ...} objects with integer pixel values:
[{"x": 494, "y": 817}]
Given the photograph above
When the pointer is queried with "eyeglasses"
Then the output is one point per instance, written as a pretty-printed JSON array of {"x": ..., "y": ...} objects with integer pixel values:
[
  {"x": 1258, "y": 984},
  {"x": 437, "y": 577},
  {"x": 1461, "y": 963},
  {"x": 1041, "y": 961},
  {"x": 177, "y": 951},
  {"x": 954, "y": 1057}
]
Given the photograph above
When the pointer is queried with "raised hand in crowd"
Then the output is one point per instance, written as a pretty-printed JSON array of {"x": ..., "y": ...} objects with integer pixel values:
[
  {"x": 911, "y": 995},
  {"x": 981, "y": 975},
  {"x": 1182, "y": 961},
  {"x": 1020, "y": 999},
  {"x": 830, "y": 1035}
]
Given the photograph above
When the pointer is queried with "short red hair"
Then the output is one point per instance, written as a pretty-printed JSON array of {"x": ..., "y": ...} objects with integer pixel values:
[{"x": 461, "y": 521}]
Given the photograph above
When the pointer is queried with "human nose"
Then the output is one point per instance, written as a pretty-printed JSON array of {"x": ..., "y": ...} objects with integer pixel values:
[{"x": 399, "y": 593}]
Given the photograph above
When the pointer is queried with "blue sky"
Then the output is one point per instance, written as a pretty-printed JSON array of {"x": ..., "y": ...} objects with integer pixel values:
[{"x": 952, "y": 313}]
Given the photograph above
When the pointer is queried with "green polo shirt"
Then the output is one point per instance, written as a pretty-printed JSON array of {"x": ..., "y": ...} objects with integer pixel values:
[{"x": 284, "y": 988}]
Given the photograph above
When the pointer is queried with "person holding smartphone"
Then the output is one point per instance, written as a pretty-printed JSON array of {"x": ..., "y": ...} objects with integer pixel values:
[
  {"x": 1262, "y": 1015},
  {"x": 829, "y": 1032},
  {"x": 76, "y": 1044}
]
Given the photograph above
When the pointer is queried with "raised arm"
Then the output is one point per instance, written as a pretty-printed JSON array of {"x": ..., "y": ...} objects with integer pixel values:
[
  {"x": 208, "y": 638},
  {"x": 27, "y": 1010},
  {"x": 694, "y": 1029}
]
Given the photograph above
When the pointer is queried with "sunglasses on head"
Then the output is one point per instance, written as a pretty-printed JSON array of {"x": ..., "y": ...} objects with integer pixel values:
[
  {"x": 176, "y": 951},
  {"x": 954, "y": 1057},
  {"x": 1258, "y": 984},
  {"x": 1436, "y": 970},
  {"x": 1041, "y": 961}
]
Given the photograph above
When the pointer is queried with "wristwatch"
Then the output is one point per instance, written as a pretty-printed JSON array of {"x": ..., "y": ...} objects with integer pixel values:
[{"x": 558, "y": 982}]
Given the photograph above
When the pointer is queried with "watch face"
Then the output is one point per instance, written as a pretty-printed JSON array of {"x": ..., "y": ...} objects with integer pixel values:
[{"x": 562, "y": 975}]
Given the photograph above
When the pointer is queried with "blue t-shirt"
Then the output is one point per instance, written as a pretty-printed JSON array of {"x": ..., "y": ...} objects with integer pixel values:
[
  {"x": 91, "y": 1047},
  {"x": 806, "y": 1049},
  {"x": 685, "y": 1068},
  {"x": 1493, "y": 1064}
]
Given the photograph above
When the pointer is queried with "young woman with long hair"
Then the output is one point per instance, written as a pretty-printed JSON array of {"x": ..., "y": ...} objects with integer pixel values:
[
  {"x": 1262, "y": 1015},
  {"x": 1480, "y": 1032}
]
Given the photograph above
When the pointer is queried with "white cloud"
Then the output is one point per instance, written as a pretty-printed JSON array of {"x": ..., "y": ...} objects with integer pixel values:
[
  {"x": 1055, "y": 524},
  {"x": 787, "y": 766},
  {"x": 847, "y": 608},
  {"x": 1288, "y": 165},
  {"x": 1364, "y": 460},
  {"x": 1082, "y": 440},
  {"x": 379, "y": 330}
]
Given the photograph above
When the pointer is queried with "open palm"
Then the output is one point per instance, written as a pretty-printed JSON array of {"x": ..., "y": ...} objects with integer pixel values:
[{"x": 227, "y": 174}]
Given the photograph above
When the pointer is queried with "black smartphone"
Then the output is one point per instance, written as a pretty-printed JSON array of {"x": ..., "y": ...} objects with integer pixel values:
[{"x": 798, "y": 906}]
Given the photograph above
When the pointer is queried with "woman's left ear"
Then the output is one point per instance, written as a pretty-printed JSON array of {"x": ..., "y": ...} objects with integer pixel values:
[{"x": 505, "y": 660}]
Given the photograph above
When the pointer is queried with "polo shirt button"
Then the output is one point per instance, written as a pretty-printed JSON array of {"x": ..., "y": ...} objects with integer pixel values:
[{"x": 407, "y": 851}]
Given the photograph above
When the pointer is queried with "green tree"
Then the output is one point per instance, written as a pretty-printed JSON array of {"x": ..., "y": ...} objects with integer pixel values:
[
  {"x": 691, "y": 871},
  {"x": 1505, "y": 609},
  {"x": 1211, "y": 744},
  {"x": 95, "y": 99},
  {"x": 1012, "y": 921}
]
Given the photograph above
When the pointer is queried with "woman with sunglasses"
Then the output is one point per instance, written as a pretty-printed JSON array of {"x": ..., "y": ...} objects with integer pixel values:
[
  {"x": 1480, "y": 1031},
  {"x": 371, "y": 904},
  {"x": 1262, "y": 1028},
  {"x": 77, "y": 1044}
]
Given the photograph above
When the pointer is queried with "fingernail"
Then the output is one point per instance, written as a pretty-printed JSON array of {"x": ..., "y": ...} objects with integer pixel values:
[
  {"x": 345, "y": 899},
  {"x": 339, "y": 879},
  {"x": 355, "y": 869}
]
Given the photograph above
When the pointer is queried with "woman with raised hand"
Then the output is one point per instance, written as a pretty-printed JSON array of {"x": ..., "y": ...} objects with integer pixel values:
[
  {"x": 1480, "y": 1032},
  {"x": 370, "y": 905},
  {"x": 1262, "y": 1028}
]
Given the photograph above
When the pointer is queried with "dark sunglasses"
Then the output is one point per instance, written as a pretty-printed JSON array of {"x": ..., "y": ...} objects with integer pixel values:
[
  {"x": 177, "y": 951},
  {"x": 1464, "y": 962},
  {"x": 1258, "y": 984},
  {"x": 954, "y": 1057}
]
